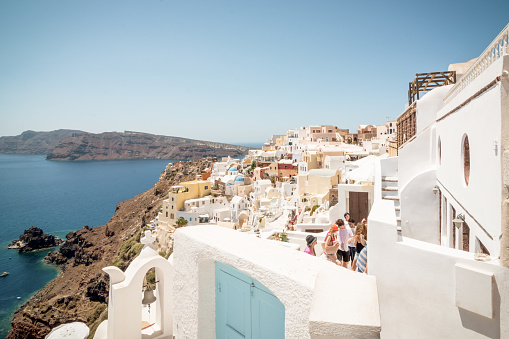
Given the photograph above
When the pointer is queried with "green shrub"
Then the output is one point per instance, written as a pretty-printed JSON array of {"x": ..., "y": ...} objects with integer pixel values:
[
  {"x": 131, "y": 247},
  {"x": 118, "y": 262},
  {"x": 99, "y": 308},
  {"x": 95, "y": 325},
  {"x": 314, "y": 209},
  {"x": 166, "y": 255}
]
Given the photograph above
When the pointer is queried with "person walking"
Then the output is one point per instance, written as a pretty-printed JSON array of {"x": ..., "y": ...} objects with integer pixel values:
[
  {"x": 359, "y": 242},
  {"x": 311, "y": 243},
  {"x": 331, "y": 244},
  {"x": 343, "y": 253},
  {"x": 362, "y": 264}
]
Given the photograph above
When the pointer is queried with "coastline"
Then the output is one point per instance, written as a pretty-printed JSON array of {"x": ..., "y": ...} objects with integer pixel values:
[{"x": 78, "y": 292}]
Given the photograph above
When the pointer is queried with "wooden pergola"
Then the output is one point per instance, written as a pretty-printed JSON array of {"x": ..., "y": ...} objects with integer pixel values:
[{"x": 424, "y": 82}]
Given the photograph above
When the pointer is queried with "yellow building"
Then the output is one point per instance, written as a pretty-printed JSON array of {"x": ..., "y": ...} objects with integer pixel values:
[
  {"x": 178, "y": 196},
  {"x": 311, "y": 159},
  {"x": 317, "y": 185}
]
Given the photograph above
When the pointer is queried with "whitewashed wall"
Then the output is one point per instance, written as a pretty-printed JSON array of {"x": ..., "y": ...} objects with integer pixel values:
[
  {"x": 290, "y": 275},
  {"x": 417, "y": 177},
  {"x": 419, "y": 286},
  {"x": 480, "y": 120}
]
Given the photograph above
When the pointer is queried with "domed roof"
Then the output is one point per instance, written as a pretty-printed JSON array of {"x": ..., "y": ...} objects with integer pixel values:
[
  {"x": 239, "y": 178},
  {"x": 233, "y": 169}
]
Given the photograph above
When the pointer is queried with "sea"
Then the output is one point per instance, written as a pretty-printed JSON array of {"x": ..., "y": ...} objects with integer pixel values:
[{"x": 58, "y": 197}]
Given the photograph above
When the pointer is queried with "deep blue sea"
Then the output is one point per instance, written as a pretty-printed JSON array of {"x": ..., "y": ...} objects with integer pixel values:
[{"x": 59, "y": 197}]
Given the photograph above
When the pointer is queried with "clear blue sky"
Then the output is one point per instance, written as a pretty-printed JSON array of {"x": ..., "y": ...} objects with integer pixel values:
[{"x": 230, "y": 71}]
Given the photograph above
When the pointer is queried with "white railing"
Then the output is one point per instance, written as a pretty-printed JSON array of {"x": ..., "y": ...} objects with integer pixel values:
[{"x": 497, "y": 49}]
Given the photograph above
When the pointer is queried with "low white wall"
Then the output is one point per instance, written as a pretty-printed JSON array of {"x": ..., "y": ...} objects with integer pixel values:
[
  {"x": 418, "y": 288},
  {"x": 289, "y": 274}
]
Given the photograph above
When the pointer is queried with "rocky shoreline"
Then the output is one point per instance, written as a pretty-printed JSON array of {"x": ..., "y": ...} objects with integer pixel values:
[
  {"x": 80, "y": 291},
  {"x": 34, "y": 239}
]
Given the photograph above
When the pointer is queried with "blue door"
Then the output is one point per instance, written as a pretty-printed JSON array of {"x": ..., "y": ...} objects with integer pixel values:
[{"x": 245, "y": 308}]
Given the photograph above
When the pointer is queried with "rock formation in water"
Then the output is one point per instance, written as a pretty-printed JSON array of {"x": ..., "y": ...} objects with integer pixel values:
[
  {"x": 31, "y": 142},
  {"x": 79, "y": 292},
  {"x": 134, "y": 145},
  {"x": 34, "y": 239}
]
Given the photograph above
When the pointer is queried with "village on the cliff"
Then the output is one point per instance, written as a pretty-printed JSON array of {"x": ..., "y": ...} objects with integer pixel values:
[{"x": 274, "y": 245}]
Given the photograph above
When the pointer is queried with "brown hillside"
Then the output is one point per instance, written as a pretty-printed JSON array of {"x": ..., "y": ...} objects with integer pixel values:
[{"x": 79, "y": 292}]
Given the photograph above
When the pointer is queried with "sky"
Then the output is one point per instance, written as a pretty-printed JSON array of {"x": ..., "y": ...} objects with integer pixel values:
[{"x": 234, "y": 71}]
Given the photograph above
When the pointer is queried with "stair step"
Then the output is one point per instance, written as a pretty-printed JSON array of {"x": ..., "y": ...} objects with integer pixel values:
[
  {"x": 398, "y": 219},
  {"x": 397, "y": 209},
  {"x": 398, "y": 229},
  {"x": 390, "y": 179},
  {"x": 391, "y": 198},
  {"x": 392, "y": 189}
]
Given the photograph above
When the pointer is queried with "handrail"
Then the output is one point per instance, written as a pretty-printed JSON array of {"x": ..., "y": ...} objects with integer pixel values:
[{"x": 497, "y": 49}]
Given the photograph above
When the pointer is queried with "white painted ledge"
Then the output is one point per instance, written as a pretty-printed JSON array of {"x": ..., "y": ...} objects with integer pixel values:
[
  {"x": 474, "y": 290},
  {"x": 352, "y": 311}
]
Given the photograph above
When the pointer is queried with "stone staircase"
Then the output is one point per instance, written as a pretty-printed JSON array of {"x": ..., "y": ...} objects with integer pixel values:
[{"x": 390, "y": 192}]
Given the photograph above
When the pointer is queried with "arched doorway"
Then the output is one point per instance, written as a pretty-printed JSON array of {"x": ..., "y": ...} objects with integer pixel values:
[{"x": 245, "y": 308}]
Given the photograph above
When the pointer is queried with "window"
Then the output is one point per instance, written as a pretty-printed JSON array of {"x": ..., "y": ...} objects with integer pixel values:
[
  {"x": 453, "y": 228},
  {"x": 439, "y": 151},
  {"x": 166, "y": 214},
  {"x": 466, "y": 237},
  {"x": 482, "y": 248},
  {"x": 466, "y": 159}
]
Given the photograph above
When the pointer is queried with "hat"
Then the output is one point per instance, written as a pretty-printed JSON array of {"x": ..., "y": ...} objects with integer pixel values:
[
  {"x": 334, "y": 228},
  {"x": 310, "y": 239}
]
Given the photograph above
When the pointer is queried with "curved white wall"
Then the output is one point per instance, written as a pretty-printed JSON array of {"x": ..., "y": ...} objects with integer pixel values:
[{"x": 419, "y": 209}]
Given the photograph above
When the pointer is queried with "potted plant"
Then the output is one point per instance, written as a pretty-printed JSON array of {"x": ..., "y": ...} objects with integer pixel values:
[{"x": 284, "y": 236}]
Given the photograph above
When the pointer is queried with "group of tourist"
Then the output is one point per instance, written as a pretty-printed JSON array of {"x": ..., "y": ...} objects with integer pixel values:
[{"x": 345, "y": 243}]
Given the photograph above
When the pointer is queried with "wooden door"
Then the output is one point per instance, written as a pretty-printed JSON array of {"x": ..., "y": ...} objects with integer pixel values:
[{"x": 358, "y": 205}]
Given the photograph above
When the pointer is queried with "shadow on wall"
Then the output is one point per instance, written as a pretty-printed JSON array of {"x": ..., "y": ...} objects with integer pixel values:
[{"x": 484, "y": 325}]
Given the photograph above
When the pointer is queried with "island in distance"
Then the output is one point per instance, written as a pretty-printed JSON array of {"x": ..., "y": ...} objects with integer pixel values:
[
  {"x": 31, "y": 142},
  {"x": 34, "y": 239},
  {"x": 77, "y": 145}
]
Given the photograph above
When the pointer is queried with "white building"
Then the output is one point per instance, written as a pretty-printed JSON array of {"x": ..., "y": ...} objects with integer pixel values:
[
  {"x": 452, "y": 196},
  {"x": 425, "y": 278}
]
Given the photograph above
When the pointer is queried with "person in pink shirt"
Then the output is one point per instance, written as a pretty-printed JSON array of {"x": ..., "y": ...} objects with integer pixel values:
[{"x": 311, "y": 242}]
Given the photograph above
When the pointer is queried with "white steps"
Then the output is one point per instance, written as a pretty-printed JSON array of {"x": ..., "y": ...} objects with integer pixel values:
[
  {"x": 390, "y": 192},
  {"x": 391, "y": 198},
  {"x": 391, "y": 189}
]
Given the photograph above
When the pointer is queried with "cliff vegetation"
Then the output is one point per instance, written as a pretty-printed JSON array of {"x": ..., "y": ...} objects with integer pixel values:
[{"x": 80, "y": 291}]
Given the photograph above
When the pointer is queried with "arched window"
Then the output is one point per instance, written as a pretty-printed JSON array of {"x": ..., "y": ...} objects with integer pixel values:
[{"x": 466, "y": 159}]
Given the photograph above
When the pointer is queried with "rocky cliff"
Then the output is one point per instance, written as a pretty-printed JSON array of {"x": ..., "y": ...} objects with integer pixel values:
[
  {"x": 31, "y": 142},
  {"x": 134, "y": 145},
  {"x": 79, "y": 292},
  {"x": 34, "y": 239}
]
